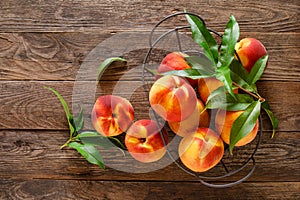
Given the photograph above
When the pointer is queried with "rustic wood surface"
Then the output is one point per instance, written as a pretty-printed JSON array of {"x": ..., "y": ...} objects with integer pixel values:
[{"x": 45, "y": 43}]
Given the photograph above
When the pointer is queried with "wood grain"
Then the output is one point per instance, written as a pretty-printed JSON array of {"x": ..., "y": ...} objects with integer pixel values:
[
  {"x": 37, "y": 154},
  {"x": 54, "y": 56},
  {"x": 48, "y": 43},
  {"x": 88, "y": 15},
  {"x": 111, "y": 190},
  {"x": 27, "y": 105}
]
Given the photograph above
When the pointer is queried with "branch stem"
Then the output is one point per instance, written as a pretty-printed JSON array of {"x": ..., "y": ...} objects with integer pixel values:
[{"x": 257, "y": 96}]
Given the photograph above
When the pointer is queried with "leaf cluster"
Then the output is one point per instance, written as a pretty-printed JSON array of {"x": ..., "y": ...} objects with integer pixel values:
[
  {"x": 86, "y": 142},
  {"x": 219, "y": 61}
]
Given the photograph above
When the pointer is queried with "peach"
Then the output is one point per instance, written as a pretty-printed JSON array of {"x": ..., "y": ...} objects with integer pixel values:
[
  {"x": 207, "y": 85},
  {"x": 202, "y": 150},
  {"x": 112, "y": 115},
  {"x": 172, "y": 98},
  {"x": 224, "y": 120},
  {"x": 144, "y": 142},
  {"x": 175, "y": 61},
  {"x": 249, "y": 51},
  {"x": 191, "y": 124}
]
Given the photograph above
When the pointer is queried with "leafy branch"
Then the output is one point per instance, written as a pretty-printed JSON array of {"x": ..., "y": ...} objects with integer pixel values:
[
  {"x": 223, "y": 66},
  {"x": 85, "y": 142}
]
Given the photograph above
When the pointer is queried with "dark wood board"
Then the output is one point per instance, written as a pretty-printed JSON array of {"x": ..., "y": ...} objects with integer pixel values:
[{"x": 51, "y": 43}]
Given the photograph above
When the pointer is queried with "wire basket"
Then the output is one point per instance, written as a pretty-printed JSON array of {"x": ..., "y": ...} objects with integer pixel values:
[{"x": 244, "y": 169}]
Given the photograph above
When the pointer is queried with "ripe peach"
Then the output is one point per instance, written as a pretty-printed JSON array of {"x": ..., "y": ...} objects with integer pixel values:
[
  {"x": 249, "y": 51},
  {"x": 172, "y": 98},
  {"x": 207, "y": 85},
  {"x": 175, "y": 61},
  {"x": 112, "y": 115},
  {"x": 202, "y": 150},
  {"x": 144, "y": 142},
  {"x": 191, "y": 124},
  {"x": 224, "y": 120}
]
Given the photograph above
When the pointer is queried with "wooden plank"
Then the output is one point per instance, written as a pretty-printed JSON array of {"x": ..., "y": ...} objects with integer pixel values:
[
  {"x": 59, "y": 56},
  {"x": 66, "y": 189},
  {"x": 20, "y": 16},
  {"x": 37, "y": 154},
  {"x": 27, "y": 105}
]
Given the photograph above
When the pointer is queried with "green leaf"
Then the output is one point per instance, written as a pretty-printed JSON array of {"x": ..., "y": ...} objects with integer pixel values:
[
  {"x": 223, "y": 74},
  {"x": 189, "y": 73},
  {"x": 244, "y": 123},
  {"x": 89, "y": 152},
  {"x": 117, "y": 143},
  {"x": 236, "y": 67},
  {"x": 257, "y": 70},
  {"x": 66, "y": 108},
  {"x": 239, "y": 75},
  {"x": 219, "y": 94},
  {"x": 79, "y": 120},
  {"x": 93, "y": 138},
  {"x": 240, "y": 102},
  {"x": 201, "y": 63},
  {"x": 204, "y": 38},
  {"x": 219, "y": 100},
  {"x": 229, "y": 39},
  {"x": 106, "y": 63},
  {"x": 273, "y": 119}
]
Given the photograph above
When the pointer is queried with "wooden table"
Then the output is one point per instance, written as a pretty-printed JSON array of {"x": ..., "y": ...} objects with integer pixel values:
[{"x": 45, "y": 43}]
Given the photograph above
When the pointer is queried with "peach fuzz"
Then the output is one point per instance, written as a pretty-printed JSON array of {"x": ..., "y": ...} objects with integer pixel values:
[
  {"x": 191, "y": 124},
  {"x": 112, "y": 115},
  {"x": 225, "y": 119},
  {"x": 144, "y": 142},
  {"x": 172, "y": 98},
  {"x": 175, "y": 61},
  {"x": 249, "y": 51},
  {"x": 202, "y": 150}
]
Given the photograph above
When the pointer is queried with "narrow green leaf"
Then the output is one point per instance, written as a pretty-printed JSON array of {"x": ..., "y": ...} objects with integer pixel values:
[
  {"x": 106, "y": 63},
  {"x": 239, "y": 69},
  {"x": 201, "y": 63},
  {"x": 66, "y": 109},
  {"x": 117, "y": 143},
  {"x": 79, "y": 120},
  {"x": 204, "y": 38},
  {"x": 91, "y": 137},
  {"x": 244, "y": 123},
  {"x": 266, "y": 105},
  {"x": 218, "y": 94},
  {"x": 189, "y": 73},
  {"x": 89, "y": 152},
  {"x": 257, "y": 70},
  {"x": 223, "y": 74},
  {"x": 227, "y": 102},
  {"x": 273, "y": 119},
  {"x": 240, "y": 102},
  {"x": 229, "y": 39},
  {"x": 239, "y": 75}
]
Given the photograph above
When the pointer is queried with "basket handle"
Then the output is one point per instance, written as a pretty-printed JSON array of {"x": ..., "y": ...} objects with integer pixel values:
[{"x": 232, "y": 183}]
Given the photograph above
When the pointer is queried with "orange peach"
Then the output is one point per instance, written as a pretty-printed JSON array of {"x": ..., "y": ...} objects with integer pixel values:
[
  {"x": 224, "y": 120},
  {"x": 112, "y": 115},
  {"x": 172, "y": 98},
  {"x": 207, "y": 85},
  {"x": 191, "y": 124},
  {"x": 202, "y": 150},
  {"x": 249, "y": 51},
  {"x": 175, "y": 61},
  {"x": 144, "y": 142}
]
